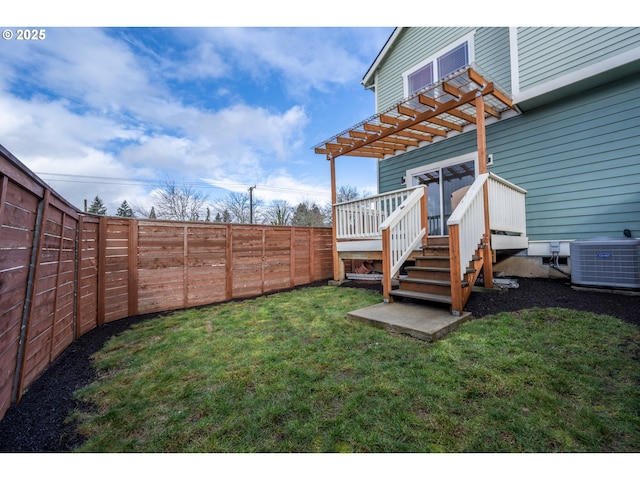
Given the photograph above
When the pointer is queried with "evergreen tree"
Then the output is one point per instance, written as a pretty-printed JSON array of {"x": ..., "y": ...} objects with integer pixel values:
[
  {"x": 125, "y": 210},
  {"x": 307, "y": 214},
  {"x": 218, "y": 218},
  {"x": 208, "y": 217},
  {"x": 152, "y": 213},
  {"x": 97, "y": 207}
]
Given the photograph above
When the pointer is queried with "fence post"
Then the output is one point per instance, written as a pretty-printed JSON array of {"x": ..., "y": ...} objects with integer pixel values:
[
  {"x": 264, "y": 241},
  {"x": 132, "y": 268},
  {"x": 102, "y": 268},
  {"x": 292, "y": 257},
  {"x": 185, "y": 266},
  {"x": 27, "y": 312},
  {"x": 312, "y": 255},
  {"x": 229, "y": 262}
]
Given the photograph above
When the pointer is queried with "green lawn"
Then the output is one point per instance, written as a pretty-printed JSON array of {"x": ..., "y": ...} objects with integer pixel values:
[{"x": 288, "y": 373}]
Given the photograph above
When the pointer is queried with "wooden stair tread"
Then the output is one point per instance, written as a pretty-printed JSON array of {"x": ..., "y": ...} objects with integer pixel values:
[
  {"x": 426, "y": 281},
  {"x": 428, "y": 269},
  {"x": 429, "y": 297}
]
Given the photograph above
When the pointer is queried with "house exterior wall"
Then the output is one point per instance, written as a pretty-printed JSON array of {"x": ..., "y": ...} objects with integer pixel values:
[
  {"x": 545, "y": 54},
  {"x": 491, "y": 49},
  {"x": 578, "y": 158}
]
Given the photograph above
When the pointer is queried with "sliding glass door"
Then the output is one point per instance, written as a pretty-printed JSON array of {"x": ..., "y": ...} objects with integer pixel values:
[{"x": 441, "y": 181}]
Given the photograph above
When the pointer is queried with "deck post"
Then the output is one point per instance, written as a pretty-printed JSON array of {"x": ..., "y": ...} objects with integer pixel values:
[
  {"x": 457, "y": 301},
  {"x": 424, "y": 217},
  {"x": 487, "y": 267},
  {"x": 386, "y": 266},
  {"x": 338, "y": 269}
]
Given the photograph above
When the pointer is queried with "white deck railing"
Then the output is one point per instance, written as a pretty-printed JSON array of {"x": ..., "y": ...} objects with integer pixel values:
[
  {"x": 403, "y": 231},
  {"x": 506, "y": 206},
  {"x": 406, "y": 229},
  {"x": 361, "y": 219},
  {"x": 506, "y": 213}
]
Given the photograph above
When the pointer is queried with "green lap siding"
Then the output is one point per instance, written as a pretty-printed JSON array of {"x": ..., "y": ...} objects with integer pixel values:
[
  {"x": 579, "y": 160},
  {"x": 417, "y": 44},
  {"x": 545, "y": 54}
]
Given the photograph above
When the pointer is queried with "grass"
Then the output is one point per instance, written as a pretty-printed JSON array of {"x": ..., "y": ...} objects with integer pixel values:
[{"x": 288, "y": 373}]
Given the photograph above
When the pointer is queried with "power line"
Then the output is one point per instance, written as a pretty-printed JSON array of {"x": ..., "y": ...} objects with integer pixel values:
[{"x": 91, "y": 179}]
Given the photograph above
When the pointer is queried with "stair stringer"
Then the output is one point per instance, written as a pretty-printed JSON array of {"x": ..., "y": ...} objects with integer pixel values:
[{"x": 461, "y": 289}]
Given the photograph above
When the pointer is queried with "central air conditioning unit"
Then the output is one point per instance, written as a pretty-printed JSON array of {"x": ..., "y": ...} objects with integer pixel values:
[{"x": 606, "y": 262}]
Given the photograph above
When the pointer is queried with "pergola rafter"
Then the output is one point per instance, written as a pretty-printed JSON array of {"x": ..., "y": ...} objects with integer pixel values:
[
  {"x": 460, "y": 101},
  {"x": 437, "y": 111}
]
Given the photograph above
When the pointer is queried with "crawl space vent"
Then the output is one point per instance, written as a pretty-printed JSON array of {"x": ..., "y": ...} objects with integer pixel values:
[{"x": 606, "y": 262}]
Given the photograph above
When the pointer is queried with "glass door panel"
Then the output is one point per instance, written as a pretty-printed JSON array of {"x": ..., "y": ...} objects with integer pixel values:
[
  {"x": 454, "y": 178},
  {"x": 441, "y": 183}
]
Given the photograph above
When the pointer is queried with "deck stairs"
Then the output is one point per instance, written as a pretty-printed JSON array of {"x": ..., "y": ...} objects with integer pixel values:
[
  {"x": 429, "y": 280},
  {"x": 490, "y": 216}
]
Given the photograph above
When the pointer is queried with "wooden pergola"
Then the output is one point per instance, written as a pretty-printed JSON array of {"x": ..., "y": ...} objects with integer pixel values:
[
  {"x": 462, "y": 99},
  {"x": 458, "y": 103}
]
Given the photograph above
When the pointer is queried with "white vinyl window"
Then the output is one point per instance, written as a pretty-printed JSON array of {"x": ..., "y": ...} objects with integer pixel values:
[{"x": 435, "y": 68}]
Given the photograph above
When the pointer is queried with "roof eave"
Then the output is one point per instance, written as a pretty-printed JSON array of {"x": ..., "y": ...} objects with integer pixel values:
[{"x": 367, "y": 79}]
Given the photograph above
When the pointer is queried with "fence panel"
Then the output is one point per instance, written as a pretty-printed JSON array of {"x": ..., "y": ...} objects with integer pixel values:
[
  {"x": 18, "y": 212},
  {"x": 87, "y": 289},
  {"x": 50, "y": 324},
  {"x": 206, "y": 267},
  {"x": 63, "y": 273}
]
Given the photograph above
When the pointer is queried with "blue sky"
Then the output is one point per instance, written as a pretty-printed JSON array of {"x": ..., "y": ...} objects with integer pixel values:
[
  {"x": 222, "y": 100},
  {"x": 113, "y": 111}
]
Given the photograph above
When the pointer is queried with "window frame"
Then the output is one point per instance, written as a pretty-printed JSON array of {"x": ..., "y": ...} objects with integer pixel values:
[{"x": 433, "y": 60}]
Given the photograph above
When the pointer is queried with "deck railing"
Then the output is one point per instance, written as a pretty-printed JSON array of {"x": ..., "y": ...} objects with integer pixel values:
[
  {"x": 506, "y": 206},
  {"x": 402, "y": 233},
  {"x": 469, "y": 229},
  {"x": 361, "y": 219},
  {"x": 467, "y": 226}
]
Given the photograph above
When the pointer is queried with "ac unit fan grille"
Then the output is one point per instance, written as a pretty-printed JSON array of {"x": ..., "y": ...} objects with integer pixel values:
[{"x": 612, "y": 263}]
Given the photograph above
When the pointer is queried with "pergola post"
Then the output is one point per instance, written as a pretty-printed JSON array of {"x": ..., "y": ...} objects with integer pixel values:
[
  {"x": 338, "y": 267},
  {"x": 482, "y": 168}
]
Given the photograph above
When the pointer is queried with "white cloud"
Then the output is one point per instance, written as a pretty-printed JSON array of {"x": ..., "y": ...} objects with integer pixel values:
[
  {"x": 113, "y": 104},
  {"x": 305, "y": 58},
  {"x": 280, "y": 185}
]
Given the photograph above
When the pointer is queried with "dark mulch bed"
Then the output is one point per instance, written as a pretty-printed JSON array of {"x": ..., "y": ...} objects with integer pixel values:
[{"x": 37, "y": 423}]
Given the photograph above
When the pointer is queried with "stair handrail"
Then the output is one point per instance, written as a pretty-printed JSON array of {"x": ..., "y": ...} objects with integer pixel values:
[
  {"x": 506, "y": 207},
  {"x": 469, "y": 223},
  {"x": 402, "y": 232},
  {"x": 362, "y": 218}
]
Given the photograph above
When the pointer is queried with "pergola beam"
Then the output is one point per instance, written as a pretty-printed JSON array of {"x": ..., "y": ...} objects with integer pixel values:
[
  {"x": 408, "y": 124},
  {"x": 429, "y": 115}
]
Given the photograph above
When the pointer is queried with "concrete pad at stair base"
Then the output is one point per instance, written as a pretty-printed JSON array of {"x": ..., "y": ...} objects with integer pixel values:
[{"x": 420, "y": 321}]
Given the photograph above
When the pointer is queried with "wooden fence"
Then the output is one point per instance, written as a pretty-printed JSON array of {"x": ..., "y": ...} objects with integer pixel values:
[{"x": 63, "y": 273}]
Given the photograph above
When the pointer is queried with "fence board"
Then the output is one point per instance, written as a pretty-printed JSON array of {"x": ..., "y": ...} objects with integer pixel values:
[{"x": 88, "y": 270}]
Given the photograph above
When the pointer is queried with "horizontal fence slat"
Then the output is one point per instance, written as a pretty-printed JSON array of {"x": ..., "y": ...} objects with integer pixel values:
[{"x": 87, "y": 270}]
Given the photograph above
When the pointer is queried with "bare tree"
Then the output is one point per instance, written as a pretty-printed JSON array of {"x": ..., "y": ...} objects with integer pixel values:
[
  {"x": 346, "y": 193},
  {"x": 238, "y": 207},
  {"x": 178, "y": 202},
  {"x": 279, "y": 212}
]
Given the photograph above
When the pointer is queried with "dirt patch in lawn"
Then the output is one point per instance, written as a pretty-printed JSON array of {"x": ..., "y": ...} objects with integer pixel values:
[{"x": 37, "y": 423}]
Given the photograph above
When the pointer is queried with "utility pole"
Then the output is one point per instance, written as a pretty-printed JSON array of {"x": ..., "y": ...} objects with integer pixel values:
[{"x": 251, "y": 203}]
